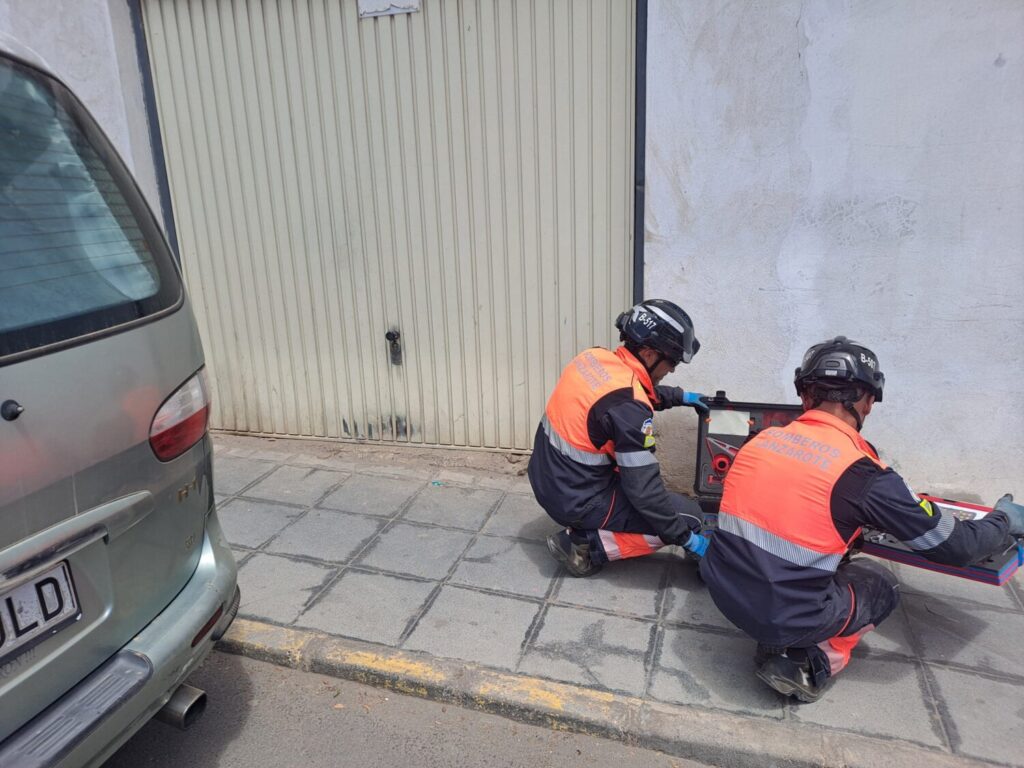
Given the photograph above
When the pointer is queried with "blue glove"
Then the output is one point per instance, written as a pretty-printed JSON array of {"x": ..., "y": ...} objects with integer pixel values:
[
  {"x": 697, "y": 544},
  {"x": 1015, "y": 513},
  {"x": 670, "y": 397},
  {"x": 694, "y": 399}
]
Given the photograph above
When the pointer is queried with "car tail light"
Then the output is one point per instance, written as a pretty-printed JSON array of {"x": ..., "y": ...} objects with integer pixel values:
[
  {"x": 181, "y": 421},
  {"x": 208, "y": 625}
]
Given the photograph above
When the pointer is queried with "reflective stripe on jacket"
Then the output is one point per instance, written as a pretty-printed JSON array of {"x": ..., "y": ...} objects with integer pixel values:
[
  {"x": 596, "y": 439},
  {"x": 771, "y": 564}
]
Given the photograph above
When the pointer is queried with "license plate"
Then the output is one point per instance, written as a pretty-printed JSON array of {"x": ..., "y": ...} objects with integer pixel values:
[{"x": 36, "y": 610}]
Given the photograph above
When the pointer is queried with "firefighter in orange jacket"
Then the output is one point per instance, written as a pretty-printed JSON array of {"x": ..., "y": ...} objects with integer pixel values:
[
  {"x": 593, "y": 467},
  {"x": 793, "y": 505}
]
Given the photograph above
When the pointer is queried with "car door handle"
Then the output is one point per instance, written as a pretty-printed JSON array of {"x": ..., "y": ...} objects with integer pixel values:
[{"x": 22, "y": 562}]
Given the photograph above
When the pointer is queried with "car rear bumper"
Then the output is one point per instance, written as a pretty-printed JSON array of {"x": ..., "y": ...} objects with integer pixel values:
[{"x": 93, "y": 719}]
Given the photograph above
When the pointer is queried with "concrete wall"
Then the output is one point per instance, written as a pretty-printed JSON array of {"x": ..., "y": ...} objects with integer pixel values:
[
  {"x": 821, "y": 168},
  {"x": 90, "y": 45}
]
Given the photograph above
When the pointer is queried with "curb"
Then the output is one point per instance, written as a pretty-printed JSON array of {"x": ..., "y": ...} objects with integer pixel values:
[{"x": 710, "y": 736}]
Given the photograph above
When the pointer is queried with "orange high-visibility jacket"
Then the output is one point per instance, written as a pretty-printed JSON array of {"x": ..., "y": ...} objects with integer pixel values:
[
  {"x": 596, "y": 439},
  {"x": 794, "y": 500}
]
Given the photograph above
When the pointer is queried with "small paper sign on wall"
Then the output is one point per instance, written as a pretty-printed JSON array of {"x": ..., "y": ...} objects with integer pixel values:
[{"x": 370, "y": 8}]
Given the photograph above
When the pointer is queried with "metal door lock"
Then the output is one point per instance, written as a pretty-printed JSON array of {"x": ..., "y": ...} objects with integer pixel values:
[{"x": 394, "y": 346}]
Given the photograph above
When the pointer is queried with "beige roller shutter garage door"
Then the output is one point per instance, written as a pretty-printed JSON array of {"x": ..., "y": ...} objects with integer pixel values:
[{"x": 460, "y": 176}]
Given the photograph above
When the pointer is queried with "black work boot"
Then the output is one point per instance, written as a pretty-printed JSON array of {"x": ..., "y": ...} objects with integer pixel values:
[
  {"x": 765, "y": 652},
  {"x": 575, "y": 557},
  {"x": 792, "y": 678}
]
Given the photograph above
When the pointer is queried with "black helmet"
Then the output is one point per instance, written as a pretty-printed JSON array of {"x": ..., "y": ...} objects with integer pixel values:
[
  {"x": 839, "y": 365},
  {"x": 660, "y": 325}
]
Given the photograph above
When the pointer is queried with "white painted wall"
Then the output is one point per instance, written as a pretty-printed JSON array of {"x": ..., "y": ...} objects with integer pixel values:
[
  {"x": 820, "y": 168},
  {"x": 89, "y": 44}
]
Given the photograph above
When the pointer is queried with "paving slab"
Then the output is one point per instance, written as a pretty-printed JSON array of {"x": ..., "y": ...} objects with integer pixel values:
[
  {"x": 507, "y": 565},
  {"x": 924, "y": 582},
  {"x": 416, "y": 550},
  {"x": 628, "y": 587},
  {"x": 453, "y": 506},
  {"x": 577, "y": 646},
  {"x": 474, "y": 626},
  {"x": 711, "y": 669},
  {"x": 520, "y": 515},
  {"x": 296, "y": 485},
  {"x": 951, "y": 632},
  {"x": 233, "y": 473},
  {"x": 371, "y": 496},
  {"x": 496, "y": 482},
  {"x": 277, "y": 588},
  {"x": 986, "y": 715},
  {"x": 688, "y": 602},
  {"x": 878, "y": 697},
  {"x": 253, "y": 523},
  {"x": 892, "y": 637},
  {"x": 268, "y": 448},
  {"x": 326, "y": 535},
  {"x": 397, "y": 470},
  {"x": 369, "y": 606}
]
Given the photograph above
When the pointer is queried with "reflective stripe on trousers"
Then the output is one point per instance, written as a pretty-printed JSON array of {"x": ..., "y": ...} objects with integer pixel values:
[{"x": 615, "y": 545}]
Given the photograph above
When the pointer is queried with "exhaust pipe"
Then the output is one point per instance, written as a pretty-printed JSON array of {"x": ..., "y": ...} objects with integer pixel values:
[{"x": 184, "y": 707}]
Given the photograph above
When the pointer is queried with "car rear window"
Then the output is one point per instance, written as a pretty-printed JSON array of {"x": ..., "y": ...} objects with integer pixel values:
[{"x": 80, "y": 251}]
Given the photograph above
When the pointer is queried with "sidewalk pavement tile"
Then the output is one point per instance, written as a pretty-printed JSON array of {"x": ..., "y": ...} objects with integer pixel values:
[
  {"x": 233, "y": 473},
  {"x": 877, "y": 697},
  {"x": 520, "y": 515},
  {"x": 277, "y": 589},
  {"x": 892, "y": 636},
  {"x": 450, "y": 505},
  {"x": 924, "y": 582},
  {"x": 986, "y": 715},
  {"x": 334, "y": 463},
  {"x": 397, "y": 470},
  {"x": 251, "y": 523},
  {"x": 326, "y": 535},
  {"x": 494, "y": 482},
  {"x": 368, "y": 606},
  {"x": 507, "y": 565},
  {"x": 372, "y": 495},
  {"x": 521, "y": 485},
  {"x": 296, "y": 485},
  {"x": 254, "y": 448},
  {"x": 592, "y": 649},
  {"x": 710, "y": 669},
  {"x": 240, "y": 555},
  {"x": 688, "y": 600},
  {"x": 624, "y": 586},
  {"x": 416, "y": 550},
  {"x": 474, "y": 626},
  {"x": 972, "y": 636}
]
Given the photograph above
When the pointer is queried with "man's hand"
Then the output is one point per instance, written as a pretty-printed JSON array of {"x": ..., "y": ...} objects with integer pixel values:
[
  {"x": 1015, "y": 513},
  {"x": 697, "y": 544},
  {"x": 670, "y": 397},
  {"x": 695, "y": 399}
]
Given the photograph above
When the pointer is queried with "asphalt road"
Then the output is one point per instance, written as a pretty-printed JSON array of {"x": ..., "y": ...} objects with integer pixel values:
[{"x": 260, "y": 715}]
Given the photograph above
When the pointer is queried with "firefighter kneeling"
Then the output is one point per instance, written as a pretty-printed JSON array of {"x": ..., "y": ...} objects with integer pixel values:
[
  {"x": 778, "y": 566},
  {"x": 594, "y": 467}
]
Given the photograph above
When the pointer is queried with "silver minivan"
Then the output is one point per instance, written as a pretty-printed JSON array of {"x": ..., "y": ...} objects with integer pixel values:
[{"x": 115, "y": 578}]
